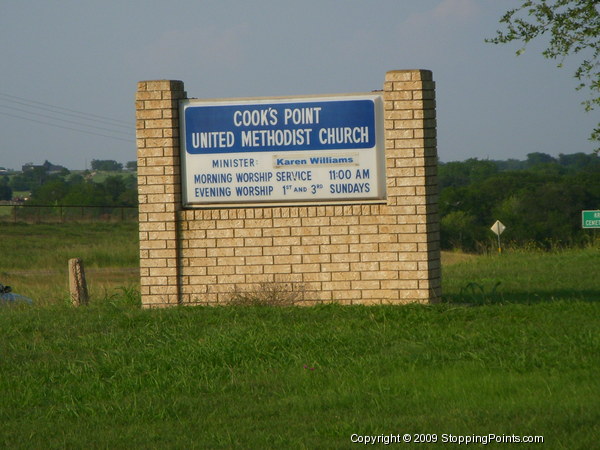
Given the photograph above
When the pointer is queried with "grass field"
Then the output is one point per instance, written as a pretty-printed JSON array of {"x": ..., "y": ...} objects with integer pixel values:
[
  {"x": 35, "y": 258},
  {"x": 515, "y": 350},
  {"x": 522, "y": 276}
]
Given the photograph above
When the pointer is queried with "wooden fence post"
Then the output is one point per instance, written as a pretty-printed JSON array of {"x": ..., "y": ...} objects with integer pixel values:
[{"x": 77, "y": 283}]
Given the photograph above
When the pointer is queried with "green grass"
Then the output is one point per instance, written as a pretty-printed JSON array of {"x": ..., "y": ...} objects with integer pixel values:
[
  {"x": 5, "y": 211},
  {"x": 48, "y": 246},
  {"x": 35, "y": 258},
  {"x": 520, "y": 357},
  {"x": 524, "y": 276},
  {"x": 115, "y": 376}
]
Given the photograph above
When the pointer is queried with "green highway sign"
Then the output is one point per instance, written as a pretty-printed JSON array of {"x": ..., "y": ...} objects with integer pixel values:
[{"x": 590, "y": 219}]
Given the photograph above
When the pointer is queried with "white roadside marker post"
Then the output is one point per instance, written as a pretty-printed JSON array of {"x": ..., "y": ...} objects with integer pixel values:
[{"x": 498, "y": 228}]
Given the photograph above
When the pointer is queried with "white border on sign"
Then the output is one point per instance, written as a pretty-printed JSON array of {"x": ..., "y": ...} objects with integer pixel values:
[{"x": 377, "y": 168}]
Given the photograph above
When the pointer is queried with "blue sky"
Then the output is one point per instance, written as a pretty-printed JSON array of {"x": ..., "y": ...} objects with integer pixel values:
[{"x": 70, "y": 68}]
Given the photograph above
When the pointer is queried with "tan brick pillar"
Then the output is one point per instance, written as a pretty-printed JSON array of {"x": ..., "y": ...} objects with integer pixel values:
[
  {"x": 159, "y": 188},
  {"x": 411, "y": 159}
]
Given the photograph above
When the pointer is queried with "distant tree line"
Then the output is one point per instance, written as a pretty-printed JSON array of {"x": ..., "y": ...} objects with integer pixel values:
[
  {"x": 76, "y": 189},
  {"x": 108, "y": 165},
  {"x": 539, "y": 200},
  {"x": 66, "y": 188}
]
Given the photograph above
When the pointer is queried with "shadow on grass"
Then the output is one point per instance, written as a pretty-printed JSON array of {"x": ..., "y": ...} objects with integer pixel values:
[{"x": 481, "y": 294}]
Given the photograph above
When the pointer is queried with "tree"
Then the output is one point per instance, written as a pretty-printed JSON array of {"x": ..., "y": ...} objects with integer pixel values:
[
  {"x": 87, "y": 193},
  {"x": 114, "y": 186},
  {"x": 466, "y": 172},
  {"x": 459, "y": 231},
  {"x": 535, "y": 158},
  {"x": 50, "y": 193},
  {"x": 5, "y": 190},
  {"x": 579, "y": 161},
  {"x": 573, "y": 27},
  {"x": 20, "y": 182},
  {"x": 107, "y": 165}
]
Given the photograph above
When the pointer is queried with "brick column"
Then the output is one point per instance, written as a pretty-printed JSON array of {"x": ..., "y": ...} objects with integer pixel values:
[
  {"x": 411, "y": 158},
  {"x": 159, "y": 188}
]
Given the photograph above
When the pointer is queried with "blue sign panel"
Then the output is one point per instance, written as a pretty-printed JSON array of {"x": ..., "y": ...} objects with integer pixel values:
[
  {"x": 282, "y": 150},
  {"x": 339, "y": 125}
]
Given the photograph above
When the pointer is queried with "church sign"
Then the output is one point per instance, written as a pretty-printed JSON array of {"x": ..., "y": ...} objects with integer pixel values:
[{"x": 283, "y": 150}]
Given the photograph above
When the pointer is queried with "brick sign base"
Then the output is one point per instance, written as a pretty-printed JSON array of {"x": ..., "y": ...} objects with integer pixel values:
[{"x": 374, "y": 253}]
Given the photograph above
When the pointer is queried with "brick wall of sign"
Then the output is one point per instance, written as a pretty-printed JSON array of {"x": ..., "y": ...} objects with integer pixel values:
[{"x": 351, "y": 254}]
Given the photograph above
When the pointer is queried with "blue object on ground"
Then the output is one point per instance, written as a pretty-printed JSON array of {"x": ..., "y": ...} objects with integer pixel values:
[{"x": 6, "y": 296}]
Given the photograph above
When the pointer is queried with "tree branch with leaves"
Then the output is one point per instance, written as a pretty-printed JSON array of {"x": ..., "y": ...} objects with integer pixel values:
[{"x": 573, "y": 28}]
